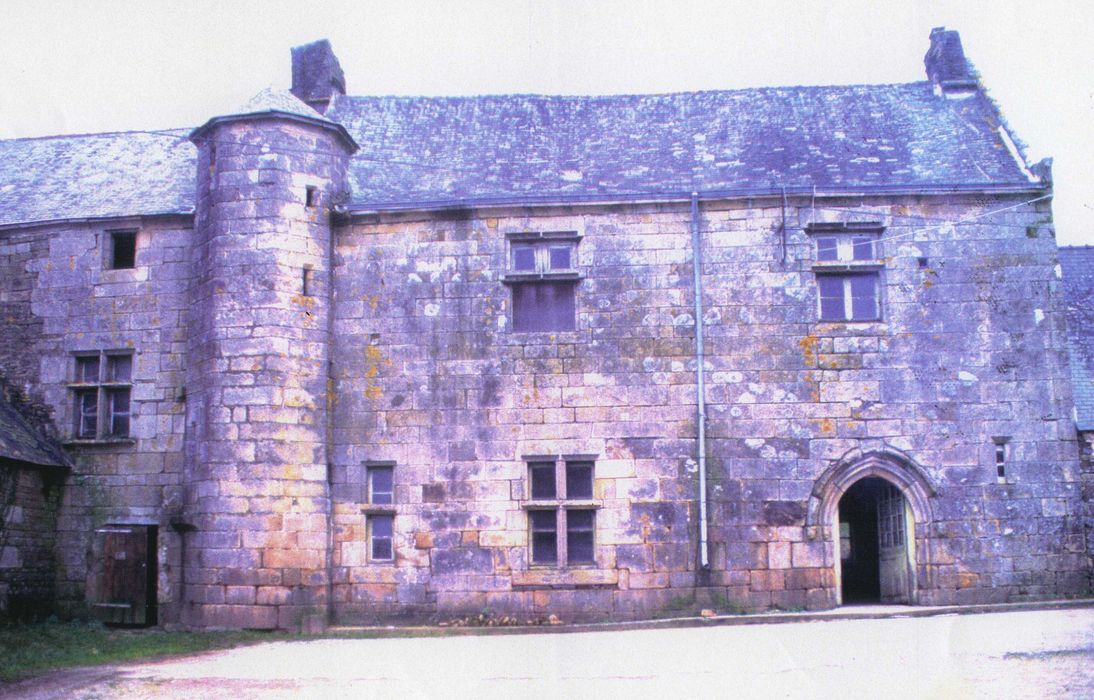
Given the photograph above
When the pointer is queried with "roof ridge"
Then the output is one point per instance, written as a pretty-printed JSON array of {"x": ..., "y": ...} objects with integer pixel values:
[
  {"x": 712, "y": 91},
  {"x": 92, "y": 134}
]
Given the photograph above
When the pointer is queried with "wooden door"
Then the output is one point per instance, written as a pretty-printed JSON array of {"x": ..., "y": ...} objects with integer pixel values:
[
  {"x": 126, "y": 588},
  {"x": 892, "y": 547}
]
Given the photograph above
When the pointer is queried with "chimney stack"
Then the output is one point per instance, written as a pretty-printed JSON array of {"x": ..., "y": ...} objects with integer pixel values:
[
  {"x": 947, "y": 67},
  {"x": 316, "y": 75}
]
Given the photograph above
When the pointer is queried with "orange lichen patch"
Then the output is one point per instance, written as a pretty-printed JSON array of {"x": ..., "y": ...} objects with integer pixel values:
[
  {"x": 808, "y": 345},
  {"x": 374, "y": 357},
  {"x": 825, "y": 426},
  {"x": 967, "y": 579},
  {"x": 308, "y": 302},
  {"x": 374, "y": 301},
  {"x": 491, "y": 223}
]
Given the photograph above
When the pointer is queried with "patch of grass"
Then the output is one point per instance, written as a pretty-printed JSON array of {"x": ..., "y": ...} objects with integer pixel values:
[{"x": 32, "y": 649}]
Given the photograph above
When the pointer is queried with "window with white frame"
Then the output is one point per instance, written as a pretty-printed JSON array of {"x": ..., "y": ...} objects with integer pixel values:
[
  {"x": 380, "y": 510},
  {"x": 848, "y": 271},
  {"x": 561, "y": 511},
  {"x": 102, "y": 393},
  {"x": 542, "y": 277}
]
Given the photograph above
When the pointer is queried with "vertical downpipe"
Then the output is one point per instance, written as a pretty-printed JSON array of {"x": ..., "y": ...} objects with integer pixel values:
[{"x": 697, "y": 263}]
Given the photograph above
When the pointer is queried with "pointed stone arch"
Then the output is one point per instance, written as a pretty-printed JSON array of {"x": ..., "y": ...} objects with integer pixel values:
[
  {"x": 900, "y": 470},
  {"x": 886, "y": 462}
]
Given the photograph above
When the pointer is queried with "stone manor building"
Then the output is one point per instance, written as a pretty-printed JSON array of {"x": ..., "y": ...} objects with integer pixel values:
[{"x": 346, "y": 359}]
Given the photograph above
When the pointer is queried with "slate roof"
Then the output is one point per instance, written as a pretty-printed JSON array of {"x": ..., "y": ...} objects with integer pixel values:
[
  {"x": 96, "y": 175},
  {"x": 21, "y": 443},
  {"x": 270, "y": 100},
  {"x": 1077, "y": 264},
  {"x": 418, "y": 150},
  {"x": 438, "y": 151}
]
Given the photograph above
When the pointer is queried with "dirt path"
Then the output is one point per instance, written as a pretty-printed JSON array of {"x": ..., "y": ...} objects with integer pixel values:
[{"x": 1033, "y": 654}]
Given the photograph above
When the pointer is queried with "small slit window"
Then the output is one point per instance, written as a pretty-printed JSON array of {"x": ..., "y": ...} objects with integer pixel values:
[
  {"x": 311, "y": 196},
  {"x": 306, "y": 282},
  {"x": 1000, "y": 460}
]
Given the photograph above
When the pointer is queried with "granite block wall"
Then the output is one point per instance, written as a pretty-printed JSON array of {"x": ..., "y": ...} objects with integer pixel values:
[
  {"x": 429, "y": 375},
  {"x": 237, "y": 411},
  {"x": 64, "y": 301}
]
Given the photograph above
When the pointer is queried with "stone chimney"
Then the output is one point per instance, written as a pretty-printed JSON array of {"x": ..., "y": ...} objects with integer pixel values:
[
  {"x": 947, "y": 67},
  {"x": 316, "y": 75}
]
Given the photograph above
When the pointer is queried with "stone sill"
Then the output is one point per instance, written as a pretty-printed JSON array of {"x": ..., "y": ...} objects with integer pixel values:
[
  {"x": 523, "y": 277},
  {"x": 823, "y": 266},
  {"x": 109, "y": 442},
  {"x": 836, "y": 328},
  {"x": 378, "y": 509},
  {"x": 556, "y": 504},
  {"x": 565, "y": 578}
]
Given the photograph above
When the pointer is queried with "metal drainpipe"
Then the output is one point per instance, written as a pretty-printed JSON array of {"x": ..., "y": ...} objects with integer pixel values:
[{"x": 697, "y": 263}]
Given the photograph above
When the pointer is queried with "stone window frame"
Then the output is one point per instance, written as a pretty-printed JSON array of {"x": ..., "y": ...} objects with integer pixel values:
[
  {"x": 380, "y": 511},
  {"x": 561, "y": 503},
  {"x": 534, "y": 276},
  {"x": 844, "y": 253},
  {"x": 96, "y": 388}
]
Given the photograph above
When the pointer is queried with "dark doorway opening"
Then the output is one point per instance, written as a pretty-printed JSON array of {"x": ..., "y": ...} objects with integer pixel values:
[{"x": 874, "y": 547}]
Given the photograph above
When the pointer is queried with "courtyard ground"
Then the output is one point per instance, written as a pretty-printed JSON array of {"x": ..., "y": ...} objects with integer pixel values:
[{"x": 1046, "y": 653}]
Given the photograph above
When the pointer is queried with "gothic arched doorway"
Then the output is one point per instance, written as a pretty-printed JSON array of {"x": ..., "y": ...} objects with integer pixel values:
[
  {"x": 876, "y": 543},
  {"x": 875, "y": 507}
]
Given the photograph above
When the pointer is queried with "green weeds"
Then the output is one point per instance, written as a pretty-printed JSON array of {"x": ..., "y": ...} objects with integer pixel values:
[{"x": 34, "y": 648}]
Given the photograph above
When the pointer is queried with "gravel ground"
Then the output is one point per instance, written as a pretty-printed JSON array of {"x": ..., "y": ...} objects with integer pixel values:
[{"x": 1032, "y": 654}]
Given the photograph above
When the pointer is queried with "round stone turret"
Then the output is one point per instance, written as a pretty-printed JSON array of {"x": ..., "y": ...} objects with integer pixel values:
[{"x": 257, "y": 549}]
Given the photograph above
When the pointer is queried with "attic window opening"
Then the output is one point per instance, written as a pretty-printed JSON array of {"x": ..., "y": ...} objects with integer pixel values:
[
  {"x": 123, "y": 250},
  {"x": 311, "y": 196}
]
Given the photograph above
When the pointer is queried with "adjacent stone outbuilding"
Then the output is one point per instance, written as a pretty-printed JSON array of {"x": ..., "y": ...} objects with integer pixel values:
[{"x": 32, "y": 470}]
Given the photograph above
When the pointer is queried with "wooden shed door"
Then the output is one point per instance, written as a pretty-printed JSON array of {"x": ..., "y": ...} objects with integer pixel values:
[{"x": 127, "y": 577}]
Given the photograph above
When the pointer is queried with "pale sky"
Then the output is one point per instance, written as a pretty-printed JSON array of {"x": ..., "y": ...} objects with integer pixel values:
[{"x": 86, "y": 66}]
